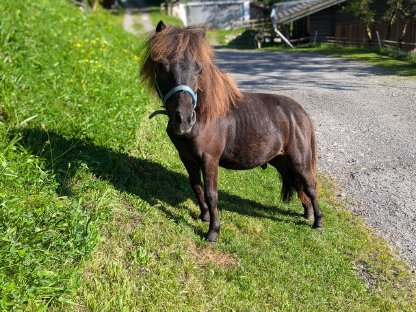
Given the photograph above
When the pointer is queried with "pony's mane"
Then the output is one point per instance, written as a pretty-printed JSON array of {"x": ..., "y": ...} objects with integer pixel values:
[{"x": 217, "y": 92}]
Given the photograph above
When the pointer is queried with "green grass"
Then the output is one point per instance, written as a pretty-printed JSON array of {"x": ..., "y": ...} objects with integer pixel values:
[
  {"x": 223, "y": 37},
  {"x": 156, "y": 15},
  {"x": 74, "y": 74},
  {"x": 97, "y": 214}
]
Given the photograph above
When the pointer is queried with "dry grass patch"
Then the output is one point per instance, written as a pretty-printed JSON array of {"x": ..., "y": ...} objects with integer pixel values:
[{"x": 207, "y": 256}]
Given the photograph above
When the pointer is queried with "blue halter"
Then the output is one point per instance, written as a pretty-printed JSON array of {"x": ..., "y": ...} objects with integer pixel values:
[{"x": 181, "y": 88}]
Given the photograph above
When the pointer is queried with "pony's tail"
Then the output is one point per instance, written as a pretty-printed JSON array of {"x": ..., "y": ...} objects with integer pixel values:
[
  {"x": 288, "y": 187},
  {"x": 292, "y": 181},
  {"x": 313, "y": 161}
]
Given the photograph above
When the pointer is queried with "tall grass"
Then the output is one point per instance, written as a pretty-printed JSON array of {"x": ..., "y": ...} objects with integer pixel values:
[{"x": 68, "y": 72}]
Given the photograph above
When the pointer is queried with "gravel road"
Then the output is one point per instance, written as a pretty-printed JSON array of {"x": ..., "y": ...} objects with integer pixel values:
[{"x": 366, "y": 126}]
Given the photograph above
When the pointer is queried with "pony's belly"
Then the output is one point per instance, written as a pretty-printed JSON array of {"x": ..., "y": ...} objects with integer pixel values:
[
  {"x": 244, "y": 162},
  {"x": 250, "y": 151},
  {"x": 239, "y": 166}
]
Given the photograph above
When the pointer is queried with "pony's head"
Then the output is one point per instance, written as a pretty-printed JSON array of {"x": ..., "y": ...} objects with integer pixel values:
[{"x": 178, "y": 64}]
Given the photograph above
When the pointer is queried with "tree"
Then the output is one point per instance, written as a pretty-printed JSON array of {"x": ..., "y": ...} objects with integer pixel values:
[
  {"x": 403, "y": 11},
  {"x": 363, "y": 11},
  {"x": 408, "y": 14},
  {"x": 394, "y": 7}
]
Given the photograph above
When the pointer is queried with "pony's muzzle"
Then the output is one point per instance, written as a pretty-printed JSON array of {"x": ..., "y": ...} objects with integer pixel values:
[
  {"x": 182, "y": 113},
  {"x": 183, "y": 123},
  {"x": 179, "y": 119}
]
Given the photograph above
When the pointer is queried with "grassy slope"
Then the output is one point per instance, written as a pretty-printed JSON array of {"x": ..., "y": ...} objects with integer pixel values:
[
  {"x": 156, "y": 16},
  {"x": 66, "y": 78},
  {"x": 95, "y": 205}
]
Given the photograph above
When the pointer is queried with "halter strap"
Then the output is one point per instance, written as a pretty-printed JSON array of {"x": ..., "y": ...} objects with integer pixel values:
[{"x": 180, "y": 88}]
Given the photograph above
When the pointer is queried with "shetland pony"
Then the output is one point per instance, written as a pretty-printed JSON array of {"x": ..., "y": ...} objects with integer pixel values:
[{"x": 212, "y": 123}]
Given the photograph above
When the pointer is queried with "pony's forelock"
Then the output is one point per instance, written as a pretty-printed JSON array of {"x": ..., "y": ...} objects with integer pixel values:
[{"x": 217, "y": 92}]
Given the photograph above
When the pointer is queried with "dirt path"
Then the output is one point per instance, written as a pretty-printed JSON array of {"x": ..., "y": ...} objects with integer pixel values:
[
  {"x": 136, "y": 13},
  {"x": 366, "y": 128}
]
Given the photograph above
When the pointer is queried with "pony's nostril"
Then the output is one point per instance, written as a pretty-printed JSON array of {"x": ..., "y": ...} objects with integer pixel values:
[{"x": 178, "y": 117}]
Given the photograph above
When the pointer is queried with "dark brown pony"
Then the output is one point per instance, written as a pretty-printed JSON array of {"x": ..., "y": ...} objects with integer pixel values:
[{"x": 212, "y": 123}]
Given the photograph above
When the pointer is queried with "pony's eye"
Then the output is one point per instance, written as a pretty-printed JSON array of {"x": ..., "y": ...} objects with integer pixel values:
[
  {"x": 159, "y": 68},
  {"x": 198, "y": 70}
]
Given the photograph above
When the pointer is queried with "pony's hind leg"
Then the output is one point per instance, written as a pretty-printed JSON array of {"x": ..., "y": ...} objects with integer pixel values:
[
  {"x": 310, "y": 189},
  {"x": 282, "y": 165},
  {"x": 306, "y": 203},
  {"x": 295, "y": 177}
]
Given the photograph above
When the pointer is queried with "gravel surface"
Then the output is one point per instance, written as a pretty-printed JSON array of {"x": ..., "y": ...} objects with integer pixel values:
[{"x": 366, "y": 126}]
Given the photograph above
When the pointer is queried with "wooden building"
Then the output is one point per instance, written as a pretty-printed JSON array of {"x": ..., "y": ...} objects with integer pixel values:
[{"x": 328, "y": 19}]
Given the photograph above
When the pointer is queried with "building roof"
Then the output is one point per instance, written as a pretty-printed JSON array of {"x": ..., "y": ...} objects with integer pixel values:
[{"x": 286, "y": 12}]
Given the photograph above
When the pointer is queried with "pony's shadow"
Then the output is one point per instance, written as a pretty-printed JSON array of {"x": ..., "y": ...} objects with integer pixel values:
[{"x": 146, "y": 179}]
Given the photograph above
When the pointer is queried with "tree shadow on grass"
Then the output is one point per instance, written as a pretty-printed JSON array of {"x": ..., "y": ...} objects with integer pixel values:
[{"x": 146, "y": 179}]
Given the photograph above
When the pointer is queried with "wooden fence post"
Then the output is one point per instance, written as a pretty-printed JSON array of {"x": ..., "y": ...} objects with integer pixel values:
[
  {"x": 378, "y": 39},
  {"x": 283, "y": 37}
]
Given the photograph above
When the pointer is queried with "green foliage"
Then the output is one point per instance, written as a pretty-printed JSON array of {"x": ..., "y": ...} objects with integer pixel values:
[
  {"x": 400, "y": 11},
  {"x": 363, "y": 11},
  {"x": 403, "y": 11},
  {"x": 393, "y": 12},
  {"x": 246, "y": 40},
  {"x": 42, "y": 235},
  {"x": 396, "y": 11},
  {"x": 63, "y": 71},
  {"x": 222, "y": 37},
  {"x": 156, "y": 15}
]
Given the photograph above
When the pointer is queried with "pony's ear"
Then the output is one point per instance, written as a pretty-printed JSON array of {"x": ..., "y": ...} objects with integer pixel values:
[{"x": 160, "y": 26}]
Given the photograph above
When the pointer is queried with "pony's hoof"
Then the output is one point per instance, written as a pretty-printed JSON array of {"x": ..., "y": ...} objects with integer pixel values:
[
  {"x": 204, "y": 217},
  {"x": 317, "y": 225},
  {"x": 308, "y": 217},
  {"x": 211, "y": 238}
]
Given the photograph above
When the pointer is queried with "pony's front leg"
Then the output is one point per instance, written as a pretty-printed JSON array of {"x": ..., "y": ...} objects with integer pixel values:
[
  {"x": 210, "y": 174},
  {"x": 194, "y": 172}
]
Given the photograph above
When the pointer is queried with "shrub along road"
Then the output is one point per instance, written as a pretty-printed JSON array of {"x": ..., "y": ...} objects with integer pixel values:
[{"x": 365, "y": 122}]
